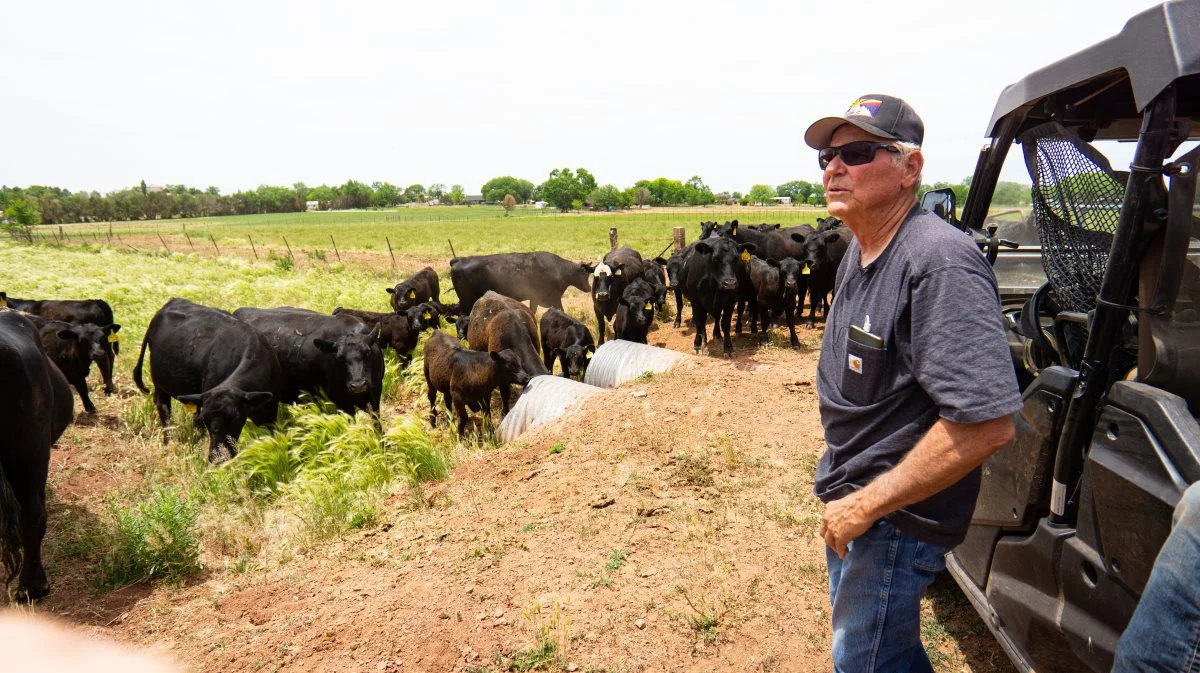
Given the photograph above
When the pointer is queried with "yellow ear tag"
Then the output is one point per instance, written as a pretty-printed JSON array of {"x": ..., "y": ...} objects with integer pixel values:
[
  {"x": 804, "y": 271},
  {"x": 745, "y": 255},
  {"x": 113, "y": 338},
  {"x": 426, "y": 316},
  {"x": 587, "y": 355},
  {"x": 649, "y": 306},
  {"x": 733, "y": 230},
  {"x": 412, "y": 294},
  {"x": 3, "y": 303},
  {"x": 190, "y": 408},
  {"x": 617, "y": 273}
]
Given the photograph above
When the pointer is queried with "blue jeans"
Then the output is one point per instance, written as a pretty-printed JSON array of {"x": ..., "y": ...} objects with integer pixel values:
[
  {"x": 1164, "y": 632},
  {"x": 876, "y": 596}
]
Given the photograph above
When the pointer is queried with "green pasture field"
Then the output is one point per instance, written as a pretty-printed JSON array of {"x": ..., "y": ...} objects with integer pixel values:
[{"x": 424, "y": 231}]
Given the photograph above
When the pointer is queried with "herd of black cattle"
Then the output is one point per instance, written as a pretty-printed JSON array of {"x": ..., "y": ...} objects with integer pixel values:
[{"x": 229, "y": 367}]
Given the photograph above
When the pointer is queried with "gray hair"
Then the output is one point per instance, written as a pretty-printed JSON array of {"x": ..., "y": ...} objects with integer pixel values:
[{"x": 906, "y": 150}]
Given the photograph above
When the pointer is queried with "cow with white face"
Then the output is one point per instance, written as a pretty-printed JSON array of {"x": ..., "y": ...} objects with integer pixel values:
[{"x": 618, "y": 268}]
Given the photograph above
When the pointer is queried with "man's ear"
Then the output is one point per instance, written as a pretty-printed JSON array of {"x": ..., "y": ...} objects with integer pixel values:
[{"x": 914, "y": 163}]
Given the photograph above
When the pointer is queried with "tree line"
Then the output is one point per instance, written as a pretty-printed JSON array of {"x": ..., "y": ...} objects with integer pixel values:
[{"x": 564, "y": 189}]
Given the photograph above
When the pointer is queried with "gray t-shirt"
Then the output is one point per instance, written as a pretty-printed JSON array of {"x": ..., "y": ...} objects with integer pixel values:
[{"x": 932, "y": 299}]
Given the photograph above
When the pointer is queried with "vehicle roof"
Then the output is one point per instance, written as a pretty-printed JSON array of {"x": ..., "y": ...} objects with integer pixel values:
[{"x": 1114, "y": 80}]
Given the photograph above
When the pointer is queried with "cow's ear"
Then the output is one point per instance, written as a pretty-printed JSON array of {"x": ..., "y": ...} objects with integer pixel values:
[
  {"x": 773, "y": 263},
  {"x": 748, "y": 247},
  {"x": 798, "y": 237},
  {"x": 495, "y": 356},
  {"x": 590, "y": 268},
  {"x": 325, "y": 346},
  {"x": 703, "y": 248},
  {"x": 560, "y": 352},
  {"x": 68, "y": 335},
  {"x": 391, "y": 290},
  {"x": 734, "y": 223},
  {"x": 113, "y": 328},
  {"x": 591, "y": 348},
  {"x": 777, "y": 226},
  {"x": 660, "y": 260},
  {"x": 257, "y": 399}
]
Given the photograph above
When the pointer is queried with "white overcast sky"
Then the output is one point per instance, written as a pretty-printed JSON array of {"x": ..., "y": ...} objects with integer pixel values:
[{"x": 100, "y": 95}]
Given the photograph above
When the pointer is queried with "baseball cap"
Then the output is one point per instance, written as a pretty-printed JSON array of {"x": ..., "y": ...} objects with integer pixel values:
[{"x": 880, "y": 115}]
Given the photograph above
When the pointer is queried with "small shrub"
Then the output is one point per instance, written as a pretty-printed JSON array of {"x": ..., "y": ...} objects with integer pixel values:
[
  {"x": 153, "y": 540},
  {"x": 616, "y": 559},
  {"x": 557, "y": 448},
  {"x": 317, "y": 254}
]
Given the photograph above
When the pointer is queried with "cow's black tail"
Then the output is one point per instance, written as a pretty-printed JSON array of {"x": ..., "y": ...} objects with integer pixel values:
[
  {"x": 453, "y": 255},
  {"x": 10, "y": 531},
  {"x": 137, "y": 369}
]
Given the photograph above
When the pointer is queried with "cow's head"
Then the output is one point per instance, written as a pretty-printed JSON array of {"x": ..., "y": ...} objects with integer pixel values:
[
  {"x": 393, "y": 329},
  {"x": 707, "y": 229},
  {"x": 638, "y": 298},
  {"x": 581, "y": 276},
  {"x": 461, "y": 326},
  {"x": 575, "y": 358},
  {"x": 404, "y": 295},
  {"x": 790, "y": 269},
  {"x": 606, "y": 280},
  {"x": 724, "y": 260},
  {"x": 816, "y": 250},
  {"x": 674, "y": 266},
  {"x": 223, "y": 412},
  {"x": 423, "y": 316},
  {"x": 355, "y": 352},
  {"x": 508, "y": 367},
  {"x": 99, "y": 344}
]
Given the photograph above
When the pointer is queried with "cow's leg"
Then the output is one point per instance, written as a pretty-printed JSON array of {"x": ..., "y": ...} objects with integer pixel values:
[
  {"x": 29, "y": 487},
  {"x": 461, "y": 410},
  {"x": 162, "y": 403},
  {"x": 814, "y": 300},
  {"x": 432, "y": 394},
  {"x": 548, "y": 358},
  {"x": 741, "y": 305},
  {"x": 789, "y": 313},
  {"x": 81, "y": 387},
  {"x": 726, "y": 316},
  {"x": 754, "y": 311},
  {"x": 505, "y": 392},
  {"x": 678, "y": 308},
  {"x": 766, "y": 317},
  {"x": 699, "y": 318},
  {"x": 600, "y": 327}
]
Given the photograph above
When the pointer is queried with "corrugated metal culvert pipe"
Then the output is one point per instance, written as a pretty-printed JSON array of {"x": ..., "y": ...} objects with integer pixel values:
[{"x": 545, "y": 398}]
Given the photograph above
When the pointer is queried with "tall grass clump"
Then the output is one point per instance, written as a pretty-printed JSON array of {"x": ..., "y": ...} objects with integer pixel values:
[
  {"x": 153, "y": 540},
  {"x": 331, "y": 470}
]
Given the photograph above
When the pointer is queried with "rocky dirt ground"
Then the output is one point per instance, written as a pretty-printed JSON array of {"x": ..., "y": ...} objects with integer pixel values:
[{"x": 667, "y": 525}]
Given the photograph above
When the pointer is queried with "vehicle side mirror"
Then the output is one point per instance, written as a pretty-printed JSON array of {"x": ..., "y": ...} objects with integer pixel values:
[{"x": 940, "y": 202}]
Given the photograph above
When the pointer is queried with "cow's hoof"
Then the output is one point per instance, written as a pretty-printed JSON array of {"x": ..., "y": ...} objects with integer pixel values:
[
  {"x": 89, "y": 410},
  {"x": 796, "y": 345},
  {"x": 109, "y": 391},
  {"x": 25, "y": 595}
]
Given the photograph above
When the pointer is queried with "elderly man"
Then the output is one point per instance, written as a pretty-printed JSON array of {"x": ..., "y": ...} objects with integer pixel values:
[{"x": 915, "y": 384}]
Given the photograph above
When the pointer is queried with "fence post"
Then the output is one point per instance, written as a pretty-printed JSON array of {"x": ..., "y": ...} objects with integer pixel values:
[
  {"x": 189, "y": 239},
  {"x": 390, "y": 254},
  {"x": 680, "y": 238},
  {"x": 289, "y": 249},
  {"x": 335, "y": 250},
  {"x": 214, "y": 242},
  {"x": 164, "y": 242},
  {"x": 61, "y": 236},
  {"x": 252, "y": 248},
  {"x": 612, "y": 238}
]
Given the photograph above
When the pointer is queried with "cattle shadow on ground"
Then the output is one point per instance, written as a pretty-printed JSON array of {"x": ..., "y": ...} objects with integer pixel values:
[{"x": 957, "y": 621}]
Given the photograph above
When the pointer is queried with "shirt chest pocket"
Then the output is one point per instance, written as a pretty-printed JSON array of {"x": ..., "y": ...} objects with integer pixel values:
[{"x": 864, "y": 373}]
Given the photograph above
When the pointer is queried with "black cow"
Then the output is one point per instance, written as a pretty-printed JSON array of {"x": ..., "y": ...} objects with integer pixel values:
[
  {"x": 213, "y": 363},
  {"x": 763, "y": 227},
  {"x": 500, "y": 323},
  {"x": 421, "y": 287},
  {"x": 771, "y": 244},
  {"x": 711, "y": 280},
  {"x": 540, "y": 277},
  {"x": 73, "y": 348},
  {"x": 335, "y": 354},
  {"x": 609, "y": 279},
  {"x": 823, "y": 255},
  {"x": 74, "y": 311},
  {"x": 776, "y": 284},
  {"x": 635, "y": 312},
  {"x": 35, "y": 408},
  {"x": 567, "y": 340},
  {"x": 466, "y": 378},
  {"x": 656, "y": 271},
  {"x": 828, "y": 223},
  {"x": 398, "y": 331},
  {"x": 674, "y": 267}
]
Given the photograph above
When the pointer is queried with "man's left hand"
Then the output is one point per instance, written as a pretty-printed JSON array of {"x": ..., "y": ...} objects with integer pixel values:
[{"x": 845, "y": 520}]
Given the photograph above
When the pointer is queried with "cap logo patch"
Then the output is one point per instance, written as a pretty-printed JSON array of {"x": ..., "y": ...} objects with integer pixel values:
[{"x": 864, "y": 107}]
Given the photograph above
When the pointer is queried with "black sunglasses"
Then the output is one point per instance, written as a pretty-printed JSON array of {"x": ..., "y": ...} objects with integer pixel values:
[{"x": 855, "y": 153}]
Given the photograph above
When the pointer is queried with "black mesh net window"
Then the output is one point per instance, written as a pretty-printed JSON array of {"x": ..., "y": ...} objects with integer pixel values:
[{"x": 1076, "y": 201}]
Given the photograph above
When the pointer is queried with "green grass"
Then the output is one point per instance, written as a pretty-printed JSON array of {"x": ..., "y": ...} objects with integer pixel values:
[
  {"x": 424, "y": 232},
  {"x": 152, "y": 540}
]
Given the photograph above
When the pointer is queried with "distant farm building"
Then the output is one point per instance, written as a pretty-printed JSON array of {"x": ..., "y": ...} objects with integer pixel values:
[
  {"x": 783, "y": 200},
  {"x": 474, "y": 199},
  {"x": 312, "y": 206}
]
